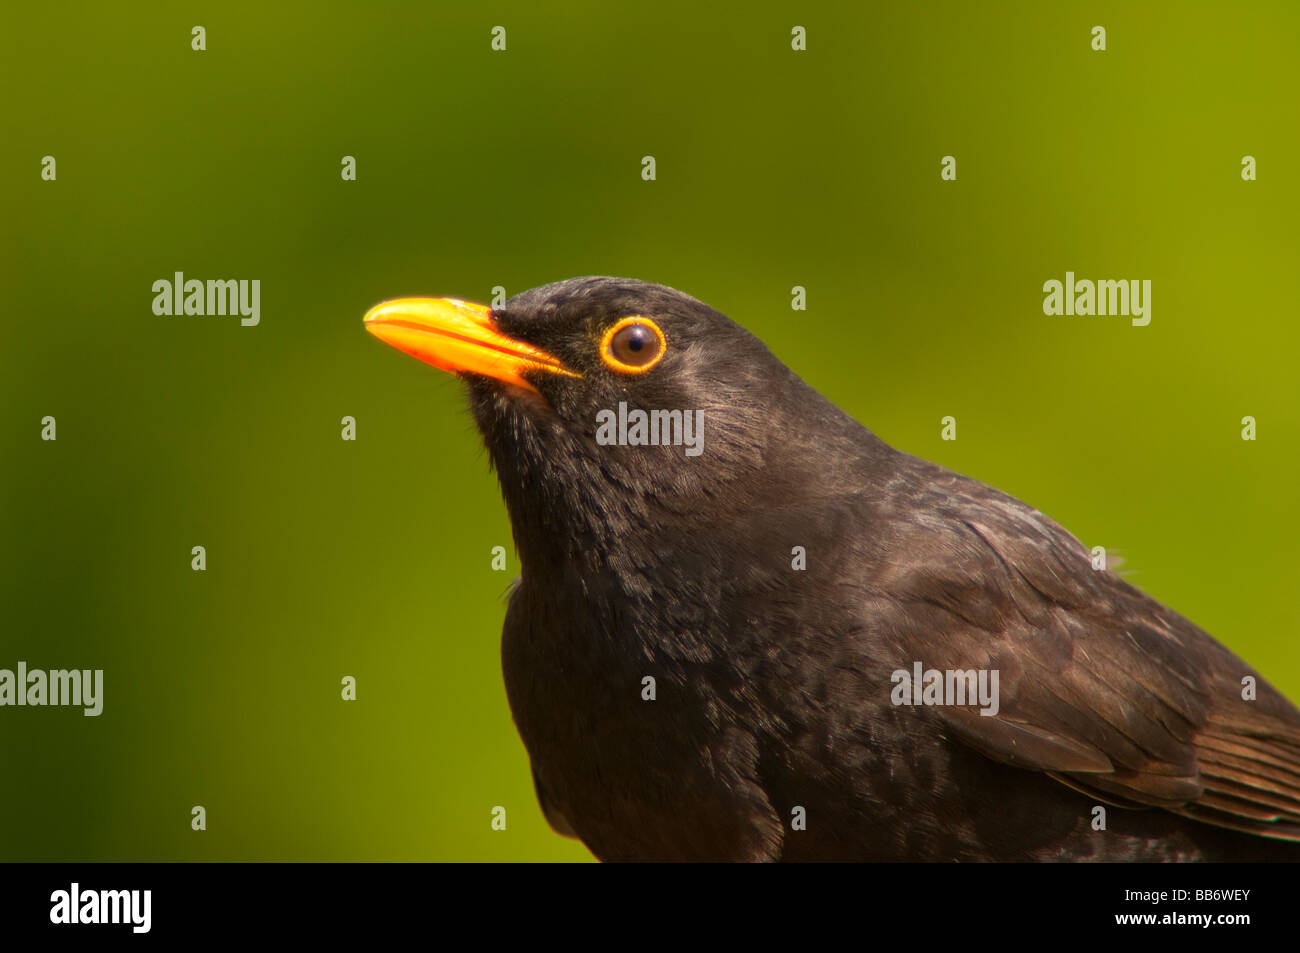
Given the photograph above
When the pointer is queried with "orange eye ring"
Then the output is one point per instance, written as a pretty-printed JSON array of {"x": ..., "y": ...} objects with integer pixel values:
[{"x": 607, "y": 345}]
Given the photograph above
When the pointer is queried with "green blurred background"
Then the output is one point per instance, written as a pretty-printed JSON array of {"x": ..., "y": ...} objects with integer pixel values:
[{"x": 475, "y": 169}]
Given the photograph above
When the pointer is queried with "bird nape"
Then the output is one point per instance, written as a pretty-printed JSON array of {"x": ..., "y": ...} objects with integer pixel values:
[{"x": 748, "y": 629}]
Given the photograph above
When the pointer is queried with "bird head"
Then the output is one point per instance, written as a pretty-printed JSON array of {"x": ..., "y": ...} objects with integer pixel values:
[{"x": 559, "y": 376}]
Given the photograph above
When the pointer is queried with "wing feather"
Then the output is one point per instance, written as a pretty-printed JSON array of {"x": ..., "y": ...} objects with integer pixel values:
[{"x": 1101, "y": 687}]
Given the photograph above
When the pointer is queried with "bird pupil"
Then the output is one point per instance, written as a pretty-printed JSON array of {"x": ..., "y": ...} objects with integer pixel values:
[{"x": 637, "y": 341}]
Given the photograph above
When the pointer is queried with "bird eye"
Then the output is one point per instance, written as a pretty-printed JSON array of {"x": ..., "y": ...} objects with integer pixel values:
[{"x": 633, "y": 345}]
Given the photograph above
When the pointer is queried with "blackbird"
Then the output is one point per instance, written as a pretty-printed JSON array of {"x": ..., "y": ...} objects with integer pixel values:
[{"x": 748, "y": 629}]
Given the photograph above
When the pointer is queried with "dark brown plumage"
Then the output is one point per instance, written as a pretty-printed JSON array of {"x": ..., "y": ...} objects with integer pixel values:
[{"x": 774, "y": 685}]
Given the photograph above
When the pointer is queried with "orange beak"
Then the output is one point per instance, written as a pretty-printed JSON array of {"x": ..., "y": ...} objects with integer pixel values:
[{"x": 459, "y": 337}]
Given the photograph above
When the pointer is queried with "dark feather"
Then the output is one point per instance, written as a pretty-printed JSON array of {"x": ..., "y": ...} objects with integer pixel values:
[{"x": 774, "y": 685}]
